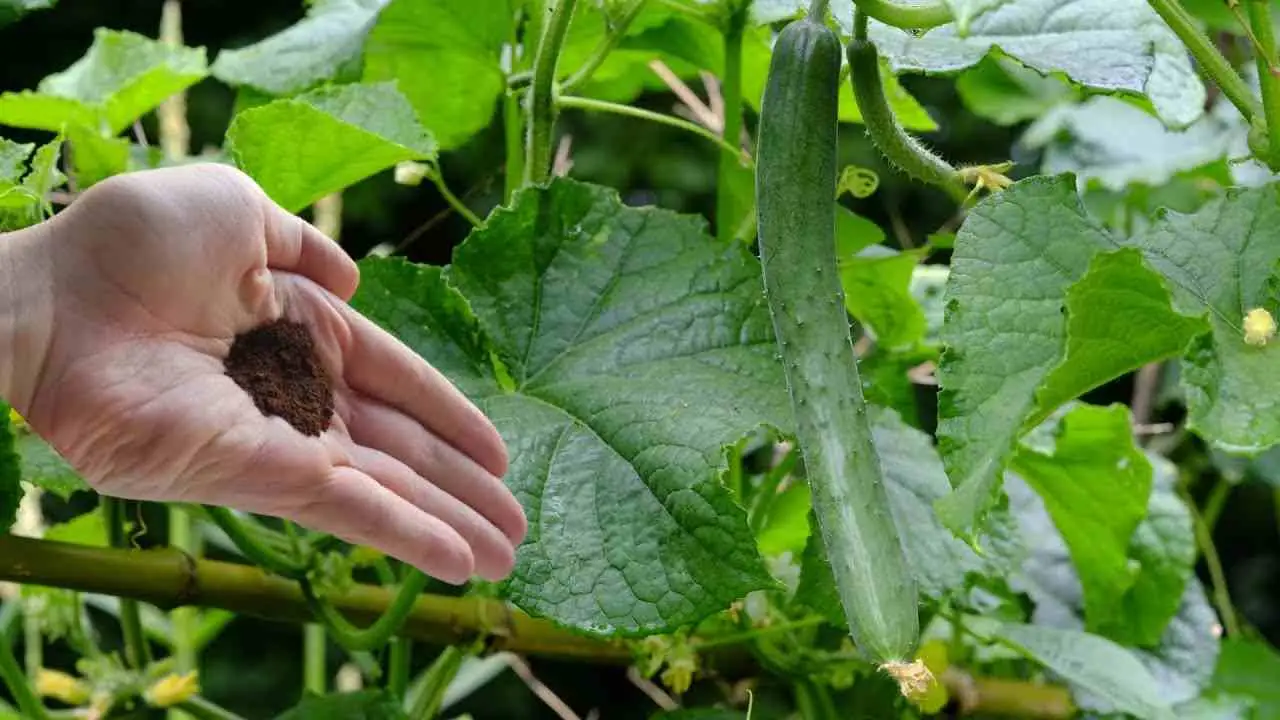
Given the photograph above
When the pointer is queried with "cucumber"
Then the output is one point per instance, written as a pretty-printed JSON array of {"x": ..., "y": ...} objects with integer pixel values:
[{"x": 796, "y": 172}]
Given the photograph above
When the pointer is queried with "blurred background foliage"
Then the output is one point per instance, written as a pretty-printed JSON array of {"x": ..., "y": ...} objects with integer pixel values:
[{"x": 993, "y": 112}]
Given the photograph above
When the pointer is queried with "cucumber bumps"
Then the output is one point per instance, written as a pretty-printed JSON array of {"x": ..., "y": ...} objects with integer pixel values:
[{"x": 796, "y": 172}]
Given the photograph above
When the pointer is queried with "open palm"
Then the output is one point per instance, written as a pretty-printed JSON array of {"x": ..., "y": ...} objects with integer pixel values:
[{"x": 152, "y": 276}]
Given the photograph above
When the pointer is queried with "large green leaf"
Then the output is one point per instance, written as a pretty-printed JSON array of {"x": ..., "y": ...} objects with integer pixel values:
[
  {"x": 10, "y": 472},
  {"x": 1163, "y": 551},
  {"x": 1119, "y": 46},
  {"x": 1007, "y": 92},
  {"x": 445, "y": 55},
  {"x": 1095, "y": 484},
  {"x": 914, "y": 479},
  {"x": 1010, "y": 306},
  {"x": 358, "y": 705},
  {"x": 877, "y": 291},
  {"x": 964, "y": 11},
  {"x": 619, "y": 351},
  {"x": 95, "y": 156},
  {"x": 1116, "y": 679},
  {"x": 1115, "y": 143},
  {"x": 301, "y": 148},
  {"x": 324, "y": 44},
  {"x": 123, "y": 76}
]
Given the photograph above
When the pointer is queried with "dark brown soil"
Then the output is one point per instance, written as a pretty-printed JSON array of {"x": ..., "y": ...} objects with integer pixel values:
[{"x": 277, "y": 365}]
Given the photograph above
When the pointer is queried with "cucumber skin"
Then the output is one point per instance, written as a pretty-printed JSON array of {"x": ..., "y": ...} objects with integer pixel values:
[{"x": 796, "y": 174}]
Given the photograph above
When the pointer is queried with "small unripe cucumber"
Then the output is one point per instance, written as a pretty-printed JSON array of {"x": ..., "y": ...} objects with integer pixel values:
[{"x": 796, "y": 173}]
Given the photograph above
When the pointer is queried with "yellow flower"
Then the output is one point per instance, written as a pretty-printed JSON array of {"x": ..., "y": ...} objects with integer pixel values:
[
  {"x": 61, "y": 686},
  {"x": 15, "y": 419},
  {"x": 172, "y": 689},
  {"x": 1259, "y": 327}
]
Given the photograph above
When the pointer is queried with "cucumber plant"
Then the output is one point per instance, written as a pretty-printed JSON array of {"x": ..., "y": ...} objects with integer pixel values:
[{"x": 857, "y": 358}]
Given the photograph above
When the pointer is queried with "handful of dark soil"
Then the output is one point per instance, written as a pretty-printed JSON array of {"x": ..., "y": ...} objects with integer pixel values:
[{"x": 277, "y": 365}]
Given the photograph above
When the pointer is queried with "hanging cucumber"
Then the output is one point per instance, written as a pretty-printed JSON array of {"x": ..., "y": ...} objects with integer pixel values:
[{"x": 796, "y": 171}]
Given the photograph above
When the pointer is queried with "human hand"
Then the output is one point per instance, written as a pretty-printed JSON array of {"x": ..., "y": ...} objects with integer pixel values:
[{"x": 151, "y": 275}]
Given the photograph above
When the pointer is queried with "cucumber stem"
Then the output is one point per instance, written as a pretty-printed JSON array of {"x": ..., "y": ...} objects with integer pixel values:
[
  {"x": 353, "y": 638},
  {"x": 1265, "y": 52},
  {"x": 1208, "y": 58},
  {"x": 542, "y": 101}
]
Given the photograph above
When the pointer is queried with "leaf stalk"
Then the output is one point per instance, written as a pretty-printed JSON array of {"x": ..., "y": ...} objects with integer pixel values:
[
  {"x": 731, "y": 95},
  {"x": 542, "y": 100},
  {"x": 582, "y": 103},
  {"x": 1265, "y": 55},
  {"x": 1211, "y": 61},
  {"x": 907, "y": 15}
]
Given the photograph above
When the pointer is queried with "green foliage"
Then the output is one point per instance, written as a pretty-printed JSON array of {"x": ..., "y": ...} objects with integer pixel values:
[
  {"x": 10, "y": 471},
  {"x": 121, "y": 77},
  {"x": 360, "y": 705},
  {"x": 301, "y": 148}
]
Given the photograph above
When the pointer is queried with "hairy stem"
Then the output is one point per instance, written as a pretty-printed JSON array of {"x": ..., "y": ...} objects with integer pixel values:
[
  {"x": 602, "y": 50},
  {"x": 1211, "y": 62},
  {"x": 1265, "y": 55},
  {"x": 818, "y": 9},
  {"x": 582, "y": 103},
  {"x": 542, "y": 100},
  {"x": 727, "y": 212},
  {"x": 253, "y": 548},
  {"x": 905, "y": 14},
  {"x": 202, "y": 709},
  {"x": 136, "y": 650}
]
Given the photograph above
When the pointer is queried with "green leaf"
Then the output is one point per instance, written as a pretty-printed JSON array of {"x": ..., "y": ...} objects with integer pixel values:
[
  {"x": 1114, "y": 46},
  {"x": 96, "y": 158},
  {"x": 1119, "y": 681},
  {"x": 358, "y": 705},
  {"x": 43, "y": 467},
  {"x": 12, "y": 11},
  {"x": 1095, "y": 484},
  {"x": 123, "y": 76},
  {"x": 877, "y": 292},
  {"x": 302, "y": 148},
  {"x": 26, "y": 203},
  {"x": 460, "y": 41},
  {"x": 1249, "y": 668},
  {"x": 1015, "y": 262},
  {"x": 323, "y": 45},
  {"x": 964, "y": 11},
  {"x": 619, "y": 351},
  {"x": 854, "y": 233},
  {"x": 914, "y": 479},
  {"x": 10, "y": 471},
  {"x": 1007, "y": 92},
  {"x": 787, "y": 526},
  {"x": 1164, "y": 548},
  {"x": 13, "y": 159},
  {"x": 87, "y": 529},
  {"x": 1115, "y": 143}
]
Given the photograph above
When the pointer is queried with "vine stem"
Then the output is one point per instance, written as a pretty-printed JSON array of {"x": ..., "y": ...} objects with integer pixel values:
[
  {"x": 1265, "y": 53},
  {"x": 137, "y": 652},
  {"x": 1211, "y": 61},
  {"x": 11, "y": 671},
  {"x": 1217, "y": 578},
  {"x": 582, "y": 103},
  {"x": 442, "y": 672},
  {"x": 602, "y": 50},
  {"x": 201, "y": 709},
  {"x": 313, "y": 657},
  {"x": 437, "y": 177},
  {"x": 401, "y": 659},
  {"x": 731, "y": 95},
  {"x": 377, "y": 634},
  {"x": 542, "y": 100},
  {"x": 254, "y": 549},
  {"x": 907, "y": 15}
]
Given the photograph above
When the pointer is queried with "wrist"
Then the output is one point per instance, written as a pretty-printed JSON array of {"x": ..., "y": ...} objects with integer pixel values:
[{"x": 26, "y": 309}]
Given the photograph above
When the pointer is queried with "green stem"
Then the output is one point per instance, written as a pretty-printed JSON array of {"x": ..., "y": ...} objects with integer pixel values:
[
  {"x": 582, "y": 103},
  {"x": 437, "y": 177},
  {"x": 1265, "y": 53},
  {"x": 602, "y": 50},
  {"x": 353, "y": 638},
  {"x": 401, "y": 658},
  {"x": 33, "y": 645},
  {"x": 735, "y": 638},
  {"x": 542, "y": 100},
  {"x": 818, "y": 9},
  {"x": 202, "y": 709},
  {"x": 768, "y": 491},
  {"x": 907, "y": 15},
  {"x": 18, "y": 684},
  {"x": 1214, "y": 503},
  {"x": 137, "y": 651},
  {"x": 253, "y": 548},
  {"x": 1217, "y": 578},
  {"x": 314, "y": 678},
  {"x": 184, "y": 620},
  {"x": 1211, "y": 62},
  {"x": 442, "y": 672},
  {"x": 727, "y": 212},
  {"x": 512, "y": 119}
]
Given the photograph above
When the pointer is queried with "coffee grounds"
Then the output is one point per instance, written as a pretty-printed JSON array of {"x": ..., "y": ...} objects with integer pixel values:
[{"x": 277, "y": 365}]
